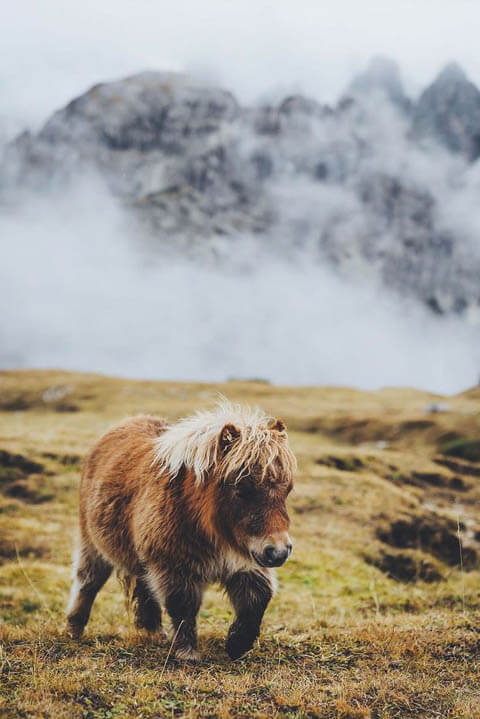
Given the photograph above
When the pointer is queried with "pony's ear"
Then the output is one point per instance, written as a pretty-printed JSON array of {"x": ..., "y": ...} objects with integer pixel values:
[
  {"x": 278, "y": 426},
  {"x": 228, "y": 435}
]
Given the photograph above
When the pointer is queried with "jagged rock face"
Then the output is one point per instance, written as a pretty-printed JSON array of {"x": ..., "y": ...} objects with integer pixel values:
[
  {"x": 114, "y": 124},
  {"x": 449, "y": 112},
  {"x": 346, "y": 185},
  {"x": 147, "y": 112}
]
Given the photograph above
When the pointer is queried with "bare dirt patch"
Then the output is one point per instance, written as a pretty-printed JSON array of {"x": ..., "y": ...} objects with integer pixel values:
[
  {"x": 463, "y": 468},
  {"x": 22, "y": 478},
  {"x": 10, "y": 550},
  {"x": 433, "y": 534},
  {"x": 406, "y": 567},
  {"x": 344, "y": 464}
]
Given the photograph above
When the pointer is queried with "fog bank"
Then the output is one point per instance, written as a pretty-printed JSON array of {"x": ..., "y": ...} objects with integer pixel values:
[{"x": 79, "y": 295}]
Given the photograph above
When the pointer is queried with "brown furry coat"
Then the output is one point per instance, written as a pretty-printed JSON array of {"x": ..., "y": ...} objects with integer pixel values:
[{"x": 175, "y": 508}]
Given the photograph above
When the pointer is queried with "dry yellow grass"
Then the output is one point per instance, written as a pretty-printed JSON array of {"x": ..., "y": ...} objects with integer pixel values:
[{"x": 374, "y": 617}]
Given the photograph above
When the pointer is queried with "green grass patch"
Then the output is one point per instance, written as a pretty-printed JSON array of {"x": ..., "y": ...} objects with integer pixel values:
[{"x": 462, "y": 448}]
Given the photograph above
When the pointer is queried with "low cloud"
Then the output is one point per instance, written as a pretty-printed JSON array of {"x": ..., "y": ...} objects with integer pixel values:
[{"x": 79, "y": 294}]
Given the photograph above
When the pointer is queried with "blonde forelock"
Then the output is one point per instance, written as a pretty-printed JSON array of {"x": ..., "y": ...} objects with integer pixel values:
[{"x": 193, "y": 442}]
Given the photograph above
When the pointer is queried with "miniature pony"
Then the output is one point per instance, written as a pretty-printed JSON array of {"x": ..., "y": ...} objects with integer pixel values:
[{"x": 175, "y": 507}]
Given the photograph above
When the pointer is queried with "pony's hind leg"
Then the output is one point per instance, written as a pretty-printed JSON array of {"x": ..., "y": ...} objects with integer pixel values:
[
  {"x": 90, "y": 572},
  {"x": 147, "y": 611},
  {"x": 181, "y": 598}
]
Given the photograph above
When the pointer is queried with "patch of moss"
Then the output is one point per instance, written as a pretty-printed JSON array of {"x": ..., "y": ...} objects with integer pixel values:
[{"x": 463, "y": 448}]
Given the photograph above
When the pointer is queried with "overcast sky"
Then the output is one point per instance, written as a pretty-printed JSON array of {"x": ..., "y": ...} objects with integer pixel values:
[{"x": 51, "y": 50}]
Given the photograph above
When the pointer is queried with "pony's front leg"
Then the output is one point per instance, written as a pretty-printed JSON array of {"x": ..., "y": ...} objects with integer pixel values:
[
  {"x": 182, "y": 598},
  {"x": 250, "y": 593}
]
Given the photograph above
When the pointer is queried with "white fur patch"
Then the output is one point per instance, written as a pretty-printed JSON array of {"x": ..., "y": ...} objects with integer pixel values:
[
  {"x": 76, "y": 551},
  {"x": 74, "y": 592},
  {"x": 76, "y": 585},
  {"x": 156, "y": 583},
  {"x": 273, "y": 581},
  {"x": 231, "y": 562}
]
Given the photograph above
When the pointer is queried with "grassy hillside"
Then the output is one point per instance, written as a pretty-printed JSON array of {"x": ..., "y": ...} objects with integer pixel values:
[{"x": 377, "y": 613}]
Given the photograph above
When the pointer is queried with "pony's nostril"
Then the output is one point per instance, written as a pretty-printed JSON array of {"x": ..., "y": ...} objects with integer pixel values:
[
  {"x": 269, "y": 554},
  {"x": 289, "y": 548}
]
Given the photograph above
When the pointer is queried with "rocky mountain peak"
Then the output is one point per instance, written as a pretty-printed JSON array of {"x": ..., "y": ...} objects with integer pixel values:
[
  {"x": 448, "y": 111},
  {"x": 200, "y": 171},
  {"x": 451, "y": 74},
  {"x": 146, "y": 111},
  {"x": 382, "y": 74}
]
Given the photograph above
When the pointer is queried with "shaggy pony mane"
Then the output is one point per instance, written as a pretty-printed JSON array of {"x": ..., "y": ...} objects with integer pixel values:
[{"x": 193, "y": 442}]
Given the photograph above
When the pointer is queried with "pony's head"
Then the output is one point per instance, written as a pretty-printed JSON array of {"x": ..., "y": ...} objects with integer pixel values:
[{"x": 243, "y": 470}]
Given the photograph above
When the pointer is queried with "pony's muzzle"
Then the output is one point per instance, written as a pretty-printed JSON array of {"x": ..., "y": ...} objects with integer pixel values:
[
  {"x": 273, "y": 550},
  {"x": 275, "y": 557}
]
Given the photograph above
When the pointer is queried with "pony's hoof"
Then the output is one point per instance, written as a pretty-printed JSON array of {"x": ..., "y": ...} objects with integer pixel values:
[
  {"x": 187, "y": 654},
  {"x": 74, "y": 631},
  {"x": 237, "y": 645},
  {"x": 155, "y": 633}
]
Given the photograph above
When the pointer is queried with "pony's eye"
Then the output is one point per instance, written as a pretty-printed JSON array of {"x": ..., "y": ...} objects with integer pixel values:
[{"x": 245, "y": 492}]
